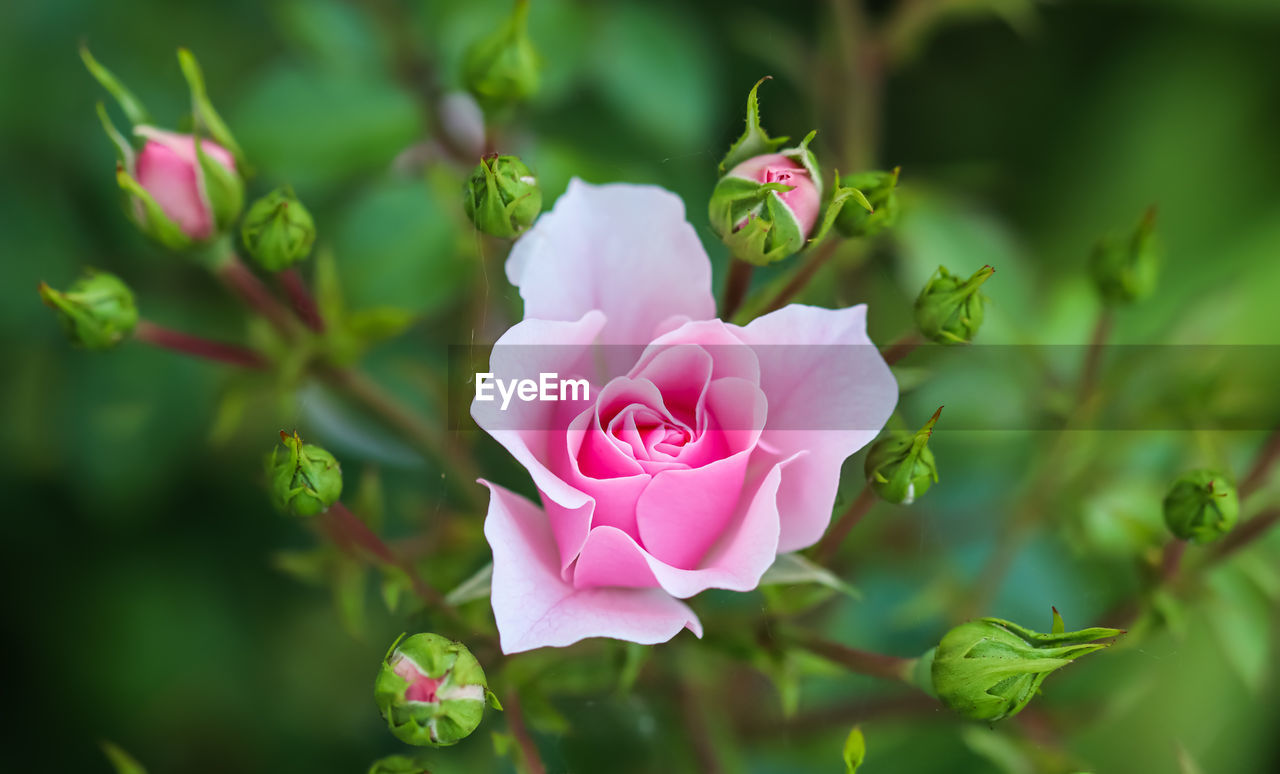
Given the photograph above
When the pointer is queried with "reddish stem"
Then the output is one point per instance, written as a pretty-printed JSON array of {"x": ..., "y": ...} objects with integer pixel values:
[
  {"x": 835, "y": 536},
  {"x": 1262, "y": 465},
  {"x": 515, "y": 722},
  {"x": 241, "y": 281},
  {"x": 863, "y": 662},
  {"x": 903, "y": 346},
  {"x": 735, "y": 287},
  {"x": 304, "y": 305},
  {"x": 195, "y": 346},
  {"x": 816, "y": 261}
]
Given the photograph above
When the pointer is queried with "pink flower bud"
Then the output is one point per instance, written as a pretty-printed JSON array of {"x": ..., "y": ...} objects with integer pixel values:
[
  {"x": 804, "y": 199},
  {"x": 168, "y": 169}
]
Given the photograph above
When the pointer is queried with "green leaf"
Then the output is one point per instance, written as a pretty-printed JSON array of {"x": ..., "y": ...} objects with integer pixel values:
[
  {"x": 635, "y": 656},
  {"x": 754, "y": 140},
  {"x": 310, "y": 566},
  {"x": 1241, "y": 618},
  {"x": 855, "y": 750},
  {"x": 206, "y": 117},
  {"x": 473, "y": 588},
  {"x": 121, "y": 760},
  {"x": 379, "y": 323},
  {"x": 349, "y": 583},
  {"x": 130, "y": 104},
  {"x": 794, "y": 568},
  {"x": 1004, "y": 752}
]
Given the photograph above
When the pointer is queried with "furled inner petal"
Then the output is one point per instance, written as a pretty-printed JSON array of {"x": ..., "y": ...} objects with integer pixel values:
[{"x": 421, "y": 687}]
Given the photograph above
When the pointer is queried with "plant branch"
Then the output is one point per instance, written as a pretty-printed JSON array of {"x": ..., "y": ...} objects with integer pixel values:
[
  {"x": 515, "y": 722},
  {"x": 904, "y": 345},
  {"x": 817, "y": 258},
  {"x": 1263, "y": 465},
  {"x": 735, "y": 287},
  {"x": 196, "y": 346},
  {"x": 1093, "y": 355},
  {"x": 244, "y": 284},
  {"x": 835, "y": 537},
  {"x": 695, "y": 722},
  {"x": 304, "y": 305},
  {"x": 1245, "y": 534},
  {"x": 863, "y": 662}
]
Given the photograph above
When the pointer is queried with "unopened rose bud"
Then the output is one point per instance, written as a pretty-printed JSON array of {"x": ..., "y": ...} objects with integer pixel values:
[
  {"x": 503, "y": 68},
  {"x": 765, "y": 207},
  {"x": 97, "y": 311},
  {"x": 502, "y": 197},
  {"x": 305, "y": 479},
  {"x": 900, "y": 467},
  {"x": 1125, "y": 268},
  {"x": 949, "y": 310},
  {"x": 1201, "y": 506},
  {"x": 881, "y": 190},
  {"x": 183, "y": 189},
  {"x": 431, "y": 691},
  {"x": 990, "y": 669},
  {"x": 278, "y": 231}
]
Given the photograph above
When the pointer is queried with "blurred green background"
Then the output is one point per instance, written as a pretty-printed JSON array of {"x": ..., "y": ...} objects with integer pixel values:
[{"x": 141, "y": 596}]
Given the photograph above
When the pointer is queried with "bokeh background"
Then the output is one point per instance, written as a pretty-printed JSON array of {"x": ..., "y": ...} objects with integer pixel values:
[{"x": 145, "y": 600}]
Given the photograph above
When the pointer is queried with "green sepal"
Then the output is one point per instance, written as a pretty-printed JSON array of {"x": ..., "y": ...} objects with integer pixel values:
[
  {"x": 124, "y": 150},
  {"x": 130, "y": 104},
  {"x": 153, "y": 221},
  {"x": 121, "y": 761},
  {"x": 457, "y": 705},
  {"x": 839, "y": 198},
  {"x": 491, "y": 699},
  {"x": 881, "y": 189},
  {"x": 754, "y": 141},
  {"x": 771, "y": 232},
  {"x": 855, "y": 750},
  {"x": 202, "y": 109},
  {"x": 222, "y": 187}
]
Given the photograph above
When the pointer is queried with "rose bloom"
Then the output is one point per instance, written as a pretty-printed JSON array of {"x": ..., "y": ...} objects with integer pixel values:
[
  {"x": 705, "y": 449},
  {"x": 167, "y": 167}
]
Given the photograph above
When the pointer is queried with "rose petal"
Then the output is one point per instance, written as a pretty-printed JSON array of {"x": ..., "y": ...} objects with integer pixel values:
[
  {"x": 626, "y": 250},
  {"x": 535, "y": 608},
  {"x": 830, "y": 392}
]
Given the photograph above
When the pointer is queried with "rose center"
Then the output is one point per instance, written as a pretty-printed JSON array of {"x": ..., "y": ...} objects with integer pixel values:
[{"x": 421, "y": 688}]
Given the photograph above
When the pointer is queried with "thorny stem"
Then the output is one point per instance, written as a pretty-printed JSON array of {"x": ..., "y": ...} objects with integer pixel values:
[
  {"x": 515, "y": 722},
  {"x": 304, "y": 305},
  {"x": 196, "y": 346},
  {"x": 835, "y": 536}
]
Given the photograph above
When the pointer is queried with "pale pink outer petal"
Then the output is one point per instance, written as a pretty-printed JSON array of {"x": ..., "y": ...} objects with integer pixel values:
[
  {"x": 531, "y": 431},
  {"x": 167, "y": 167},
  {"x": 535, "y": 608},
  {"x": 830, "y": 393},
  {"x": 626, "y": 250}
]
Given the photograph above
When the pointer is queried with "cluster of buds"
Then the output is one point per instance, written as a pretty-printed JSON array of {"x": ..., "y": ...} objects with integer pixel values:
[
  {"x": 304, "y": 478},
  {"x": 431, "y": 691},
  {"x": 990, "y": 669},
  {"x": 502, "y": 197},
  {"x": 182, "y": 190},
  {"x": 1125, "y": 268},
  {"x": 1201, "y": 506},
  {"x": 949, "y": 310},
  {"x": 901, "y": 467},
  {"x": 97, "y": 311}
]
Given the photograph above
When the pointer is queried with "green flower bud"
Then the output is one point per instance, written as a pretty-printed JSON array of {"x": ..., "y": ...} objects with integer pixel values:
[
  {"x": 278, "y": 231},
  {"x": 881, "y": 190},
  {"x": 502, "y": 197},
  {"x": 305, "y": 479},
  {"x": 900, "y": 467},
  {"x": 1125, "y": 269},
  {"x": 97, "y": 312},
  {"x": 503, "y": 68},
  {"x": 398, "y": 764},
  {"x": 1202, "y": 506},
  {"x": 431, "y": 691},
  {"x": 949, "y": 310},
  {"x": 990, "y": 669}
]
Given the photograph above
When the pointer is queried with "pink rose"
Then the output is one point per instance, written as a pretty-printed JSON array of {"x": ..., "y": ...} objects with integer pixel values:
[
  {"x": 168, "y": 169},
  {"x": 804, "y": 199},
  {"x": 700, "y": 455}
]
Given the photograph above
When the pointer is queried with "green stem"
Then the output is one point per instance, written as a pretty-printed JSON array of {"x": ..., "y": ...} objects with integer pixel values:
[
  {"x": 863, "y": 662},
  {"x": 514, "y": 714},
  {"x": 831, "y": 542}
]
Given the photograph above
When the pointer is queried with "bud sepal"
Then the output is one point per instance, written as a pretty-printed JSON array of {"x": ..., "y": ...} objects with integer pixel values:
[
  {"x": 278, "y": 231},
  {"x": 880, "y": 212},
  {"x": 431, "y": 691},
  {"x": 503, "y": 68},
  {"x": 305, "y": 479},
  {"x": 1201, "y": 506},
  {"x": 97, "y": 311},
  {"x": 502, "y": 197},
  {"x": 950, "y": 310},
  {"x": 901, "y": 467},
  {"x": 989, "y": 669}
]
